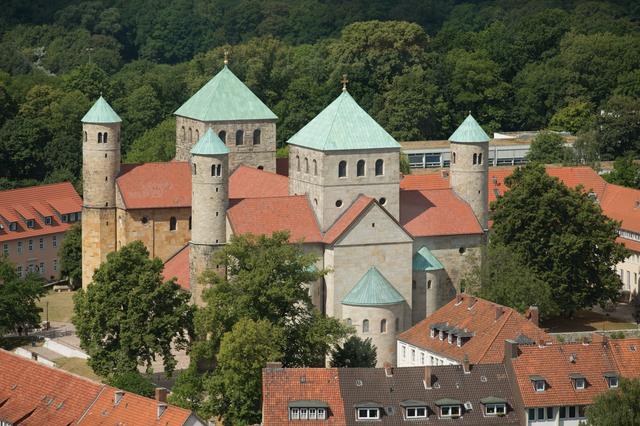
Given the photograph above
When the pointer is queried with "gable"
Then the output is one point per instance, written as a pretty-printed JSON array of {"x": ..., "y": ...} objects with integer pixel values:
[{"x": 373, "y": 226}]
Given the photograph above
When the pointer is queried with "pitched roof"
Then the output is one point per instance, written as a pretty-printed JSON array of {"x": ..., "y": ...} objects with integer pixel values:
[
  {"x": 626, "y": 355},
  {"x": 264, "y": 216},
  {"x": 424, "y": 260},
  {"x": 373, "y": 289},
  {"x": 347, "y": 218},
  {"x": 343, "y": 125},
  {"x": 622, "y": 204},
  {"x": 477, "y": 316},
  {"x": 225, "y": 98},
  {"x": 209, "y": 144},
  {"x": 101, "y": 112},
  {"x": 36, "y": 203},
  {"x": 553, "y": 364},
  {"x": 436, "y": 212},
  {"x": 177, "y": 266},
  {"x": 249, "y": 182},
  {"x": 469, "y": 131}
]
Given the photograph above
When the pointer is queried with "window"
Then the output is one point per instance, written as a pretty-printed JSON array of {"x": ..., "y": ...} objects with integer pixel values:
[
  {"x": 19, "y": 271},
  {"x": 572, "y": 412},
  {"x": 13, "y": 226},
  {"x": 294, "y": 413},
  {"x": 297, "y": 162},
  {"x": 65, "y": 218},
  {"x": 579, "y": 383},
  {"x": 197, "y": 135},
  {"x": 5, "y": 249},
  {"x": 449, "y": 338},
  {"x": 550, "y": 414},
  {"x": 256, "y": 137},
  {"x": 85, "y": 136},
  {"x": 303, "y": 414},
  {"x": 315, "y": 168},
  {"x": 306, "y": 165},
  {"x": 342, "y": 169},
  {"x": 239, "y": 137},
  {"x": 383, "y": 326},
  {"x": 541, "y": 413},
  {"x": 612, "y": 381},
  {"x": 184, "y": 133},
  {"x": 365, "y": 326},
  {"x": 41, "y": 243},
  {"x": 582, "y": 411},
  {"x": 195, "y": 169},
  {"x": 563, "y": 412},
  {"x": 450, "y": 411},
  {"x": 413, "y": 354},
  {"x": 539, "y": 385},
  {"x": 54, "y": 241},
  {"x": 454, "y": 157},
  {"x": 360, "y": 168},
  {"x": 480, "y": 158},
  {"x": 31, "y": 223},
  {"x": 475, "y": 158},
  {"x": 397, "y": 324},
  {"x": 41, "y": 268},
  {"x": 382, "y": 201},
  {"x": 433, "y": 333},
  {"x": 30, "y": 245},
  {"x": 338, "y": 203},
  {"x": 189, "y": 223},
  {"x": 99, "y": 137},
  {"x": 428, "y": 284},
  {"x": 422, "y": 358},
  {"x": 48, "y": 220},
  {"x": 104, "y": 137},
  {"x": 172, "y": 223},
  {"x": 495, "y": 409},
  {"x": 368, "y": 413},
  {"x": 379, "y": 167},
  {"x": 55, "y": 264},
  {"x": 416, "y": 412},
  {"x": 223, "y": 136},
  {"x": 190, "y": 136},
  {"x": 459, "y": 341}
]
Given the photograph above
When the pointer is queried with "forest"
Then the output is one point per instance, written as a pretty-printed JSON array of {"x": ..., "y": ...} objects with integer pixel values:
[{"x": 417, "y": 66}]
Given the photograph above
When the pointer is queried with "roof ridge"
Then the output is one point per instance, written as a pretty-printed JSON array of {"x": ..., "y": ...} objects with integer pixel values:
[
  {"x": 333, "y": 120},
  {"x": 507, "y": 316}
]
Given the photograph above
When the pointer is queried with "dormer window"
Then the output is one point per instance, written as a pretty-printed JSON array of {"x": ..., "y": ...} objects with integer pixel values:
[
  {"x": 368, "y": 413},
  {"x": 65, "y": 218},
  {"x": 458, "y": 341},
  {"x": 48, "y": 220},
  {"x": 13, "y": 226},
  {"x": 433, "y": 333},
  {"x": 31, "y": 223},
  {"x": 579, "y": 383},
  {"x": 494, "y": 406},
  {"x": 416, "y": 413},
  {"x": 612, "y": 379},
  {"x": 441, "y": 335},
  {"x": 449, "y": 408},
  {"x": 308, "y": 410},
  {"x": 539, "y": 384},
  {"x": 449, "y": 338}
]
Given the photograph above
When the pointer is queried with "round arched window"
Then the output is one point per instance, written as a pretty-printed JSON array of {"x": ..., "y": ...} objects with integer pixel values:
[
  {"x": 339, "y": 203},
  {"x": 383, "y": 201}
]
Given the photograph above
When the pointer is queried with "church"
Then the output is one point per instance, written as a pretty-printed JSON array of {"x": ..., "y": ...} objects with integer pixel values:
[{"x": 394, "y": 255}]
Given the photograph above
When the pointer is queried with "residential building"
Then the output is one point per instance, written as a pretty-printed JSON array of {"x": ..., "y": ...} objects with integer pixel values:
[
  {"x": 34, "y": 394},
  {"x": 469, "y": 327},
  {"x": 33, "y": 222}
]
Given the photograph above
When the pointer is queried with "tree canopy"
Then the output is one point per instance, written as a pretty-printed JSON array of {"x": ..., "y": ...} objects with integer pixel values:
[
  {"x": 616, "y": 407},
  {"x": 354, "y": 353},
  {"x": 18, "y": 297},
  {"x": 71, "y": 255}
]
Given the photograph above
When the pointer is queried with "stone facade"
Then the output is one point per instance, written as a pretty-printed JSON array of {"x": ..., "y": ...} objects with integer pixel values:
[
  {"x": 261, "y": 155},
  {"x": 469, "y": 175},
  {"x": 431, "y": 290},
  {"x": 98, "y": 239}
]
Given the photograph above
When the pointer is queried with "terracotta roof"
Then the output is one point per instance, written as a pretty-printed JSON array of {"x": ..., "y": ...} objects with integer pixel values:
[
  {"x": 347, "y": 218},
  {"x": 489, "y": 333},
  {"x": 268, "y": 215},
  {"x": 626, "y": 355},
  {"x": 554, "y": 364},
  {"x": 436, "y": 212},
  {"x": 248, "y": 182},
  {"x": 426, "y": 181},
  {"x": 18, "y": 205},
  {"x": 622, "y": 204},
  {"x": 630, "y": 244},
  {"x": 177, "y": 266}
]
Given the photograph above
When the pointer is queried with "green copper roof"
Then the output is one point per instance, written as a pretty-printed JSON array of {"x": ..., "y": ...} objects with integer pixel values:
[
  {"x": 209, "y": 144},
  {"x": 101, "y": 112},
  {"x": 469, "y": 131},
  {"x": 224, "y": 98},
  {"x": 343, "y": 125},
  {"x": 372, "y": 290},
  {"x": 424, "y": 260}
]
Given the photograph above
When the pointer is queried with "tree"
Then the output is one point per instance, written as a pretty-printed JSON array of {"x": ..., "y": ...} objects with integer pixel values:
[
  {"x": 354, "y": 353},
  {"x": 157, "y": 144},
  {"x": 619, "y": 127},
  {"x": 616, "y": 407},
  {"x": 236, "y": 384},
  {"x": 132, "y": 381},
  {"x": 547, "y": 148},
  {"x": 635, "y": 306},
  {"x": 576, "y": 116},
  {"x": 625, "y": 172},
  {"x": 562, "y": 235},
  {"x": 70, "y": 254},
  {"x": 18, "y": 297},
  {"x": 128, "y": 316}
]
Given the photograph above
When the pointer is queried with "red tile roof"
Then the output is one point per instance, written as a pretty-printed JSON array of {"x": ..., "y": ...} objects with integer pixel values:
[
  {"x": 283, "y": 385},
  {"x": 426, "y": 181},
  {"x": 626, "y": 355},
  {"x": 553, "y": 363},
  {"x": 622, "y": 204},
  {"x": 347, "y": 218},
  {"x": 487, "y": 344},
  {"x": 630, "y": 244},
  {"x": 177, "y": 266},
  {"x": 247, "y": 182},
  {"x": 18, "y": 205},
  {"x": 436, "y": 212},
  {"x": 268, "y": 215}
]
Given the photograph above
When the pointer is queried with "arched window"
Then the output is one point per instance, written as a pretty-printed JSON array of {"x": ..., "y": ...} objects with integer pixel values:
[
  {"x": 223, "y": 136},
  {"x": 454, "y": 157},
  {"x": 219, "y": 170},
  {"x": 184, "y": 133},
  {"x": 315, "y": 168},
  {"x": 342, "y": 169},
  {"x": 239, "y": 137},
  {"x": 383, "y": 326},
  {"x": 173, "y": 223},
  {"x": 99, "y": 137},
  {"x": 475, "y": 158},
  {"x": 195, "y": 169},
  {"x": 213, "y": 170},
  {"x": 480, "y": 158},
  {"x": 360, "y": 168},
  {"x": 365, "y": 326},
  {"x": 306, "y": 165},
  {"x": 190, "y": 136},
  {"x": 379, "y": 167},
  {"x": 256, "y": 137},
  {"x": 297, "y": 163},
  {"x": 348, "y": 322},
  {"x": 85, "y": 136},
  {"x": 397, "y": 324},
  {"x": 197, "y": 135},
  {"x": 104, "y": 137},
  {"x": 189, "y": 223}
]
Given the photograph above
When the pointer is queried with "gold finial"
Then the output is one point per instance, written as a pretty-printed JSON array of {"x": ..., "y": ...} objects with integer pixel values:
[
  {"x": 344, "y": 82},
  {"x": 226, "y": 57},
  {"x": 469, "y": 112}
]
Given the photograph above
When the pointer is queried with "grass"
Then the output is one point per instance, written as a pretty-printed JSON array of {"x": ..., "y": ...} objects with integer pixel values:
[
  {"x": 60, "y": 306},
  {"x": 77, "y": 366},
  {"x": 587, "y": 321}
]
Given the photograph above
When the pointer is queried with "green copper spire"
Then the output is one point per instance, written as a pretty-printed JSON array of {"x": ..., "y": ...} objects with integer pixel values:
[
  {"x": 209, "y": 144},
  {"x": 101, "y": 112},
  {"x": 424, "y": 260},
  {"x": 469, "y": 131},
  {"x": 343, "y": 125},
  {"x": 225, "y": 98},
  {"x": 373, "y": 290}
]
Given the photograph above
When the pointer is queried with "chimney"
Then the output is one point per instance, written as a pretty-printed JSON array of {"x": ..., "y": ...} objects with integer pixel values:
[
  {"x": 465, "y": 364},
  {"x": 428, "y": 380},
  {"x": 498, "y": 312},
  {"x": 161, "y": 395},
  {"x": 533, "y": 314},
  {"x": 472, "y": 301},
  {"x": 458, "y": 298},
  {"x": 162, "y": 407},
  {"x": 117, "y": 397},
  {"x": 510, "y": 349},
  {"x": 388, "y": 369},
  {"x": 275, "y": 365}
]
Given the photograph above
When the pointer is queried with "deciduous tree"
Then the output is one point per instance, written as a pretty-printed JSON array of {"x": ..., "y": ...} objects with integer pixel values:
[
  {"x": 18, "y": 297},
  {"x": 616, "y": 407},
  {"x": 354, "y": 353},
  {"x": 70, "y": 254}
]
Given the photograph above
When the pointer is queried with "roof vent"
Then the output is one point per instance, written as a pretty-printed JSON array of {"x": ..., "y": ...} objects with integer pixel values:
[
  {"x": 495, "y": 180},
  {"x": 14, "y": 386},
  {"x": 358, "y": 382},
  {"x": 637, "y": 206},
  {"x": 468, "y": 405},
  {"x": 573, "y": 358},
  {"x": 483, "y": 379},
  {"x": 117, "y": 397},
  {"x": 389, "y": 411},
  {"x": 632, "y": 348},
  {"x": 303, "y": 379}
]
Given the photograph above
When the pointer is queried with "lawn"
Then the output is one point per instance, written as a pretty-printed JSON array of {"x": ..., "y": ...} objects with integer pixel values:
[
  {"x": 60, "y": 306},
  {"x": 587, "y": 321},
  {"x": 77, "y": 366}
]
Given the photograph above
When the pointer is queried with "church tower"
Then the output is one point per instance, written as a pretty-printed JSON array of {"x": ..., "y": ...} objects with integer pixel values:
[
  {"x": 100, "y": 167},
  {"x": 470, "y": 167},
  {"x": 209, "y": 201}
]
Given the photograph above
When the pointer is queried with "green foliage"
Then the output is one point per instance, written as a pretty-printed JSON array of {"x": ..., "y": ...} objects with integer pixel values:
[
  {"x": 548, "y": 148},
  {"x": 188, "y": 391},
  {"x": 616, "y": 407},
  {"x": 18, "y": 297},
  {"x": 128, "y": 316},
  {"x": 132, "y": 381},
  {"x": 561, "y": 235},
  {"x": 405, "y": 167},
  {"x": 635, "y": 307},
  {"x": 354, "y": 353},
  {"x": 619, "y": 127},
  {"x": 70, "y": 254},
  {"x": 573, "y": 118},
  {"x": 625, "y": 172},
  {"x": 157, "y": 144}
]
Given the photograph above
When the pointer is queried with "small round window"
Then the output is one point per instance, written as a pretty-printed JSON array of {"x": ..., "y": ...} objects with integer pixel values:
[
  {"x": 339, "y": 203},
  {"x": 383, "y": 201},
  {"x": 145, "y": 219},
  {"x": 462, "y": 250}
]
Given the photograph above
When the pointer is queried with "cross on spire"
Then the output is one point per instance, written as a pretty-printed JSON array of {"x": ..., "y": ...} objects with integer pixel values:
[
  {"x": 344, "y": 82},
  {"x": 226, "y": 56}
]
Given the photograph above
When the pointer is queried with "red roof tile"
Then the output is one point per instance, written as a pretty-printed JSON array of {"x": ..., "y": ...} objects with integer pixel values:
[
  {"x": 177, "y": 266},
  {"x": 487, "y": 344},
  {"x": 622, "y": 204},
  {"x": 630, "y": 244},
  {"x": 27, "y": 202},
  {"x": 268, "y": 215},
  {"x": 436, "y": 212},
  {"x": 626, "y": 355},
  {"x": 347, "y": 218},
  {"x": 426, "y": 181},
  {"x": 247, "y": 182}
]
